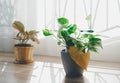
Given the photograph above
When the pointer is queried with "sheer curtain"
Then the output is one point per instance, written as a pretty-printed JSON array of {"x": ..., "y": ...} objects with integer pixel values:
[
  {"x": 40, "y": 14},
  {"x": 105, "y": 14}
]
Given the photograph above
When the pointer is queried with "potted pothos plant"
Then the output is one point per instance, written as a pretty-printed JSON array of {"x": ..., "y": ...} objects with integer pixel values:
[
  {"x": 23, "y": 51},
  {"x": 78, "y": 43}
]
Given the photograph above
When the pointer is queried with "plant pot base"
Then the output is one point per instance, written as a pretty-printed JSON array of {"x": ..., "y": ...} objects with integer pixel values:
[
  {"x": 74, "y": 75},
  {"x": 23, "y": 62}
]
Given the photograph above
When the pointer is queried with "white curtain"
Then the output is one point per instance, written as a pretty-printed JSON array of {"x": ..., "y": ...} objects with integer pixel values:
[
  {"x": 104, "y": 13},
  {"x": 40, "y": 14}
]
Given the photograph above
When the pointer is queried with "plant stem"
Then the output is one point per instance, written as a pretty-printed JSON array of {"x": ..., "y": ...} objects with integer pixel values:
[{"x": 59, "y": 39}]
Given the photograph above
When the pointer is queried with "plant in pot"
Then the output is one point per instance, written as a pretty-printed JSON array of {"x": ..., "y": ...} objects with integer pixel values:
[
  {"x": 23, "y": 51},
  {"x": 78, "y": 44}
]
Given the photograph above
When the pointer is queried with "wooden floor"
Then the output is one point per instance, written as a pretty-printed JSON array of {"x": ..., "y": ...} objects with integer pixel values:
[{"x": 48, "y": 69}]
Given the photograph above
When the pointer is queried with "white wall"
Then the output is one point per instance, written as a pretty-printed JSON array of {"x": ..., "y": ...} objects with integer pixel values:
[
  {"x": 6, "y": 41},
  {"x": 110, "y": 51},
  {"x": 48, "y": 46}
]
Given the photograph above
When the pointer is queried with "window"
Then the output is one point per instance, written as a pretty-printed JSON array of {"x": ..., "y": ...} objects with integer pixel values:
[{"x": 105, "y": 14}]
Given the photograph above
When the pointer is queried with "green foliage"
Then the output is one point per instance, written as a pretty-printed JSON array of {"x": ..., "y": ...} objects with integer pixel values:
[
  {"x": 72, "y": 29},
  {"x": 88, "y": 18},
  {"x": 24, "y": 36},
  {"x": 47, "y": 32},
  {"x": 69, "y": 35},
  {"x": 63, "y": 21}
]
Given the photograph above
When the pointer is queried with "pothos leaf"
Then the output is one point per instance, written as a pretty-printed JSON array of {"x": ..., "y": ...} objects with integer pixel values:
[
  {"x": 47, "y": 32},
  {"x": 59, "y": 42},
  {"x": 88, "y": 18},
  {"x": 64, "y": 33},
  {"x": 90, "y": 31},
  {"x": 85, "y": 50},
  {"x": 63, "y": 21},
  {"x": 72, "y": 29}
]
